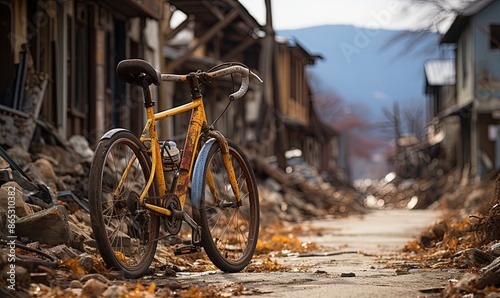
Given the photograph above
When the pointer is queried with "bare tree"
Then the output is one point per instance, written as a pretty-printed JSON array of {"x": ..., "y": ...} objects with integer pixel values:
[
  {"x": 433, "y": 16},
  {"x": 434, "y": 13},
  {"x": 410, "y": 121},
  {"x": 361, "y": 142}
]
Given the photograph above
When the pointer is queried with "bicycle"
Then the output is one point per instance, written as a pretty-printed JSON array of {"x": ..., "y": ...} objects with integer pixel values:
[{"x": 128, "y": 191}]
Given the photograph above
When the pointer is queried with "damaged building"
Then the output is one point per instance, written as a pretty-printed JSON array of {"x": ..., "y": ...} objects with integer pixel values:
[{"x": 60, "y": 59}]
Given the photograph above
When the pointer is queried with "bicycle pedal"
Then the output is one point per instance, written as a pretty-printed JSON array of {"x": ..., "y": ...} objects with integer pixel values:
[{"x": 188, "y": 249}]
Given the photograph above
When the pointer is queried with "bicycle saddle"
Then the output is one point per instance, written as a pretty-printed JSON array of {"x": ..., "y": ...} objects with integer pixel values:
[{"x": 132, "y": 70}]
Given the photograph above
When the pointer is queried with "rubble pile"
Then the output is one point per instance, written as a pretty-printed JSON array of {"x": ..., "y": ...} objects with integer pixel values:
[
  {"x": 467, "y": 238},
  {"x": 397, "y": 192},
  {"x": 302, "y": 194}
]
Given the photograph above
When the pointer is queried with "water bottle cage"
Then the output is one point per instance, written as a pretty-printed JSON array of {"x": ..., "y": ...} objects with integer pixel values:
[{"x": 170, "y": 161}]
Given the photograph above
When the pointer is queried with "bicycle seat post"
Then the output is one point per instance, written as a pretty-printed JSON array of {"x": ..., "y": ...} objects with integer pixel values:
[{"x": 148, "y": 102}]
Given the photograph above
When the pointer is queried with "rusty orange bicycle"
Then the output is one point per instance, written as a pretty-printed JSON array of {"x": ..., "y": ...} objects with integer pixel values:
[{"x": 131, "y": 194}]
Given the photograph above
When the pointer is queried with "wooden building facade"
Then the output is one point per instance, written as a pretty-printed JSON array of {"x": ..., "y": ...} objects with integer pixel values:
[{"x": 67, "y": 52}]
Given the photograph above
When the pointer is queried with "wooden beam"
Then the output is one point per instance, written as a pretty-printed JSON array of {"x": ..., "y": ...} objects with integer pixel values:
[
  {"x": 179, "y": 28},
  {"x": 228, "y": 18},
  {"x": 240, "y": 48},
  {"x": 245, "y": 15},
  {"x": 219, "y": 14}
]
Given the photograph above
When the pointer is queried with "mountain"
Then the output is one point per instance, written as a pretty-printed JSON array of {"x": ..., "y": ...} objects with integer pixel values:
[{"x": 368, "y": 68}]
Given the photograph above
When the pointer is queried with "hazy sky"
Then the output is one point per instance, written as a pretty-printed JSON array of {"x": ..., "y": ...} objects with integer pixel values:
[{"x": 293, "y": 14}]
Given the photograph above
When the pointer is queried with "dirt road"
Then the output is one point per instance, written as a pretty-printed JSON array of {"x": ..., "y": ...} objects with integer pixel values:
[{"x": 361, "y": 249}]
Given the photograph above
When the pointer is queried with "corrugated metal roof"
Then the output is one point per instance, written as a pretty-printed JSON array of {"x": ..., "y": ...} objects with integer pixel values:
[{"x": 440, "y": 72}]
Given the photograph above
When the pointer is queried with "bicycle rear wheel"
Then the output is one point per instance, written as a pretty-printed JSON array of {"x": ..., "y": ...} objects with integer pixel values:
[
  {"x": 124, "y": 231},
  {"x": 229, "y": 231}
]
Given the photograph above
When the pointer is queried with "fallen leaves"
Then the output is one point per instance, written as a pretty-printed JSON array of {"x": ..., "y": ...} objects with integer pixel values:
[
  {"x": 74, "y": 266},
  {"x": 438, "y": 245},
  {"x": 266, "y": 264},
  {"x": 216, "y": 291},
  {"x": 280, "y": 240}
]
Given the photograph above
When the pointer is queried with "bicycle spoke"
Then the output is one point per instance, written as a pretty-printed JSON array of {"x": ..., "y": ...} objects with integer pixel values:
[{"x": 122, "y": 228}]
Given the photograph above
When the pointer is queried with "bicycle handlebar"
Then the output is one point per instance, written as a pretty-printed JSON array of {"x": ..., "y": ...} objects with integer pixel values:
[{"x": 243, "y": 71}]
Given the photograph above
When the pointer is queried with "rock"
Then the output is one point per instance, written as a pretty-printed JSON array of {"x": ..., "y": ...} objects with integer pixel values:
[
  {"x": 350, "y": 274},
  {"x": 479, "y": 257},
  {"x": 115, "y": 291},
  {"x": 19, "y": 156},
  {"x": 440, "y": 229},
  {"x": 95, "y": 276},
  {"x": 43, "y": 171},
  {"x": 170, "y": 272},
  {"x": 13, "y": 190},
  {"x": 81, "y": 146},
  {"x": 494, "y": 249},
  {"x": 93, "y": 288},
  {"x": 86, "y": 261},
  {"x": 402, "y": 271},
  {"x": 174, "y": 285},
  {"x": 492, "y": 267},
  {"x": 116, "y": 275},
  {"x": 76, "y": 284},
  {"x": 62, "y": 252},
  {"x": 79, "y": 236},
  {"x": 4, "y": 164},
  {"x": 64, "y": 160},
  {"x": 34, "y": 245},
  {"x": 49, "y": 226},
  {"x": 467, "y": 282},
  {"x": 82, "y": 217},
  {"x": 35, "y": 208}
]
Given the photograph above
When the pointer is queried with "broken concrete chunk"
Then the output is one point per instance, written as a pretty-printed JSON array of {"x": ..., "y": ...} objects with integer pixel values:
[
  {"x": 81, "y": 146},
  {"x": 19, "y": 156},
  {"x": 49, "y": 226},
  {"x": 4, "y": 164},
  {"x": 13, "y": 195},
  {"x": 63, "y": 252},
  {"x": 86, "y": 261},
  {"x": 75, "y": 284},
  {"x": 79, "y": 236},
  {"x": 43, "y": 171},
  {"x": 116, "y": 291},
  {"x": 93, "y": 288}
]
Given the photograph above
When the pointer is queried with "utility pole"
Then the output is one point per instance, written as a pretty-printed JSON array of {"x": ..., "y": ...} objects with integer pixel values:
[{"x": 270, "y": 108}]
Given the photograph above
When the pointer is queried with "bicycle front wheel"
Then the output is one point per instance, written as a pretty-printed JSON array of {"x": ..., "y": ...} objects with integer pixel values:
[
  {"x": 125, "y": 232},
  {"x": 229, "y": 229}
]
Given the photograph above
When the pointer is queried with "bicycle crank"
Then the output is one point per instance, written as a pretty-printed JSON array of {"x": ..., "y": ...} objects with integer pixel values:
[{"x": 173, "y": 223}]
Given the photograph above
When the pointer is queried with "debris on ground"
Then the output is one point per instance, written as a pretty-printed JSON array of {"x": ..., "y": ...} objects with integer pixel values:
[
  {"x": 467, "y": 238},
  {"x": 56, "y": 254}
]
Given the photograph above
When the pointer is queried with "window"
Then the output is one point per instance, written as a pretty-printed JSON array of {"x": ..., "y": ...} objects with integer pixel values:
[
  {"x": 6, "y": 55},
  {"x": 494, "y": 36}
]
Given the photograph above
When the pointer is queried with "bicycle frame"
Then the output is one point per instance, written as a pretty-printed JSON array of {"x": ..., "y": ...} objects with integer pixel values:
[{"x": 197, "y": 126}]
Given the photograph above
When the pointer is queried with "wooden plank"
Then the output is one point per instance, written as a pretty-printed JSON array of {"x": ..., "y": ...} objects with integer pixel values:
[{"x": 228, "y": 18}]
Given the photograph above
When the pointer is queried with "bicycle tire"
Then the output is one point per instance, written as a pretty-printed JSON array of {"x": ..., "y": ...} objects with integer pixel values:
[
  {"x": 123, "y": 230},
  {"x": 229, "y": 232}
]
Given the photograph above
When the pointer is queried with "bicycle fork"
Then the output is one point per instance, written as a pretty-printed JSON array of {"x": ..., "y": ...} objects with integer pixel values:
[{"x": 228, "y": 165}]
